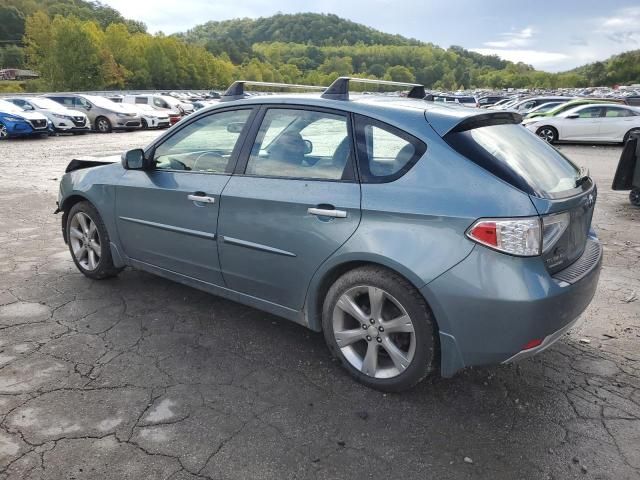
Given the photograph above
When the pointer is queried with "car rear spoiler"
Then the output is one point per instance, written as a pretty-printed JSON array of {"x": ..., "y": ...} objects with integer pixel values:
[
  {"x": 627, "y": 175},
  {"x": 446, "y": 119},
  {"x": 79, "y": 164}
]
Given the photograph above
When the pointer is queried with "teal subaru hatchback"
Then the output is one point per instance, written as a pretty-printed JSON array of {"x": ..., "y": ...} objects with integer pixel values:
[{"x": 418, "y": 237}]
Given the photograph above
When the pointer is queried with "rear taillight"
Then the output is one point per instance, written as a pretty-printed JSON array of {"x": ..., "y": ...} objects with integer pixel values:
[
  {"x": 553, "y": 226},
  {"x": 515, "y": 236},
  {"x": 525, "y": 237}
]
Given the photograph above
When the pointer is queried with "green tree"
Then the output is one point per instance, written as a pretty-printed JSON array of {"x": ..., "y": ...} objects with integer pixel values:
[
  {"x": 400, "y": 73},
  {"x": 12, "y": 24}
]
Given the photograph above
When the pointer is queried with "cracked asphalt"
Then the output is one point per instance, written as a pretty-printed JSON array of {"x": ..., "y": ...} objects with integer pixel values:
[{"x": 141, "y": 378}]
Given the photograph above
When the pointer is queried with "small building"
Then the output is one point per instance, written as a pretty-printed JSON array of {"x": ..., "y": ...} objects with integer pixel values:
[{"x": 17, "y": 74}]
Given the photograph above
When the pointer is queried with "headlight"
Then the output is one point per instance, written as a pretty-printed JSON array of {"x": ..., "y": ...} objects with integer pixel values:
[
  {"x": 12, "y": 119},
  {"x": 62, "y": 117},
  {"x": 122, "y": 115}
]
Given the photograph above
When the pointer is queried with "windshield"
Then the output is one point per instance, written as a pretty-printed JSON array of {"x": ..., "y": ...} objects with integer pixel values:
[
  {"x": 102, "y": 102},
  {"x": 519, "y": 157},
  {"x": 9, "y": 107},
  {"x": 46, "y": 103}
]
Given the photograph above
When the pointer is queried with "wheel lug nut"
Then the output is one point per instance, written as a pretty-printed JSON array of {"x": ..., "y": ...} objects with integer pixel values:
[
  {"x": 379, "y": 339},
  {"x": 368, "y": 338},
  {"x": 381, "y": 329},
  {"x": 365, "y": 326},
  {"x": 372, "y": 321}
]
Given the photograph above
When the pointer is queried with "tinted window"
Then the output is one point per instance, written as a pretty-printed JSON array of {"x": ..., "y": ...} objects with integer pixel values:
[
  {"x": 618, "y": 112},
  {"x": 141, "y": 100},
  {"x": 302, "y": 144},
  {"x": 385, "y": 152},
  {"x": 205, "y": 145},
  {"x": 518, "y": 156}
]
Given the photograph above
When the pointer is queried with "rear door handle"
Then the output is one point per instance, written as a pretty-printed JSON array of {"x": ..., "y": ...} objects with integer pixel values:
[
  {"x": 201, "y": 198},
  {"x": 322, "y": 212}
]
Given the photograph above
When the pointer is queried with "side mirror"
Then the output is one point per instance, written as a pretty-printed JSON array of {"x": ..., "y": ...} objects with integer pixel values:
[
  {"x": 134, "y": 160},
  {"x": 573, "y": 115},
  {"x": 308, "y": 147},
  {"x": 28, "y": 107}
]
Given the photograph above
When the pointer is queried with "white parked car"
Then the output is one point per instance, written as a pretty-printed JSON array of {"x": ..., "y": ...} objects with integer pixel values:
[
  {"x": 63, "y": 119},
  {"x": 169, "y": 105},
  {"x": 151, "y": 117},
  {"x": 596, "y": 123}
]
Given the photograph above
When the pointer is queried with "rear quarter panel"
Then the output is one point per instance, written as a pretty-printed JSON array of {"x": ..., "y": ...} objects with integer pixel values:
[{"x": 416, "y": 225}]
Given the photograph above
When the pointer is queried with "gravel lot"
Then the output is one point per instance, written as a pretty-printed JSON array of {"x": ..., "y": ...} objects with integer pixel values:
[{"x": 140, "y": 378}]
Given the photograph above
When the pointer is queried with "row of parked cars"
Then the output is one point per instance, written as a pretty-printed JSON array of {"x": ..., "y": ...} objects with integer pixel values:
[
  {"x": 557, "y": 118},
  {"x": 81, "y": 113}
]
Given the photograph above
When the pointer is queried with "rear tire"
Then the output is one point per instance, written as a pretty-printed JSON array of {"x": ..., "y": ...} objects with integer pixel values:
[
  {"x": 548, "y": 134},
  {"x": 145, "y": 125},
  {"x": 4, "y": 133},
  {"x": 388, "y": 342},
  {"x": 634, "y": 197},
  {"x": 103, "y": 125},
  {"x": 628, "y": 134},
  {"x": 89, "y": 243}
]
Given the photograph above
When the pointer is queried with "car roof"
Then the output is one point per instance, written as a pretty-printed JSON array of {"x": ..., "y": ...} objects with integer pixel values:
[{"x": 406, "y": 113}]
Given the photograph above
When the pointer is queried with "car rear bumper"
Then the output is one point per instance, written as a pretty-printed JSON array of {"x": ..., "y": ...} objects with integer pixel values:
[{"x": 491, "y": 307}]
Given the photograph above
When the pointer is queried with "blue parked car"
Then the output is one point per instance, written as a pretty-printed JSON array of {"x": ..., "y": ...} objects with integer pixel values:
[
  {"x": 416, "y": 236},
  {"x": 16, "y": 122}
]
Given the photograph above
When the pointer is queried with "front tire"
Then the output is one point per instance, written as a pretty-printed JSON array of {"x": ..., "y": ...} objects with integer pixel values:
[
  {"x": 548, "y": 134},
  {"x": 88, "y": 241},
  {"x": 4, "y": 132},
  {"x": 145, "y": 125},
  {"x": 103, "y": 125},
  {"x": 380, "y": 328},
  {"x": 634, "y": 197}
]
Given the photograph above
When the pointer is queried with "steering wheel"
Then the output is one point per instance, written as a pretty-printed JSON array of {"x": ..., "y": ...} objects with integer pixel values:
[{"x": 203, "y": 154}]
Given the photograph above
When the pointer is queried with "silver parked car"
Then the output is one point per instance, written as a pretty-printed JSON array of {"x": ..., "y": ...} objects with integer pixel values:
[
  {"x": 104, "y": 114},
  {"x": 414, "y": 235}
]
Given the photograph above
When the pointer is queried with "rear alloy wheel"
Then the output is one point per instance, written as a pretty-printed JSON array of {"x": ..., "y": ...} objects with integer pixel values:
[
  {"x": 4, "y": 133},
  {"x": 89, "y": 242},
  {"x": 380, "y": 328},
  {"x": 634, "y": 197},
  {"x": 548, "y": 134},
  {"x": 103, "y": 125}
]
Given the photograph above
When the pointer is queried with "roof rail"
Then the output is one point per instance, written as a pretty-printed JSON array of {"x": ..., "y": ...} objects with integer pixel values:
[
  {"x": 339, "y": 89},
  {"x": 236, "y": 90}
]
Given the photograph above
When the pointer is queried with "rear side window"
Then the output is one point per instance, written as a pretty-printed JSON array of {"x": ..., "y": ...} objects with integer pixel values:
[
  {"x": 141, "y": 100},
  {"x": 618, "y": 112},
  {"x": 519, "y": 157},
  {"x": 385, "y": 153}
]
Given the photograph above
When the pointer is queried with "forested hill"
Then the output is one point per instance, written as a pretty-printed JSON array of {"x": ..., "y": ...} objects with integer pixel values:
[
  {"x": 235, "y": 37},
  {"x": 619, "y": 69}
]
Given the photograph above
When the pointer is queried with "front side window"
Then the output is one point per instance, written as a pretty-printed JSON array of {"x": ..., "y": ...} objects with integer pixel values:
[
  {"x": 206, "y": 145},
  {"x": 302, "y": 144},
  {"x": 141, "y": 100},
  {"x": 590, "y": 112},
  {"x": 385, "y": 152}
]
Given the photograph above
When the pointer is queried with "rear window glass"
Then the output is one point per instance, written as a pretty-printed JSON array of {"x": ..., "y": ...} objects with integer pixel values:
[
  {"x": 519, "y": 157},
  {"x": 466, "y": 100}
]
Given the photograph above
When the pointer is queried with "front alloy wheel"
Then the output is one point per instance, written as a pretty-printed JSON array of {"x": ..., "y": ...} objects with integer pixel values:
[
  {"x": 89, "y": 242},
  {"x": 85, "y": 241},
  {"x": 103, "y": 125},
  {"x": 634, "y": 197},
  {"x": 4, "y": 133},
  {"x": 374, "y": 332}
]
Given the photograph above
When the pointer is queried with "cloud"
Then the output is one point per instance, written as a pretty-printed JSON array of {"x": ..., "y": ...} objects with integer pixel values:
[
  {"x": 623, "y": 27},
  {"x": 537, "y": 58},
  {"x": 521, "y": 38}
]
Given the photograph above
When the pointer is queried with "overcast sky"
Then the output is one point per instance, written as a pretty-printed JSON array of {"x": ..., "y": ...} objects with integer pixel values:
[{"x": 550, "y": 35}]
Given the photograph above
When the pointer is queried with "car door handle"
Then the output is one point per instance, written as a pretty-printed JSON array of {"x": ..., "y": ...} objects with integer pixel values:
[
  {"x": 201, "y": 198},
  {"x": 323, "y": 212}
]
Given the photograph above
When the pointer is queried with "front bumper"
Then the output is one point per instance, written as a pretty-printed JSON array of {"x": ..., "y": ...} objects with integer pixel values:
[{"x": 491, "y": 305}]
